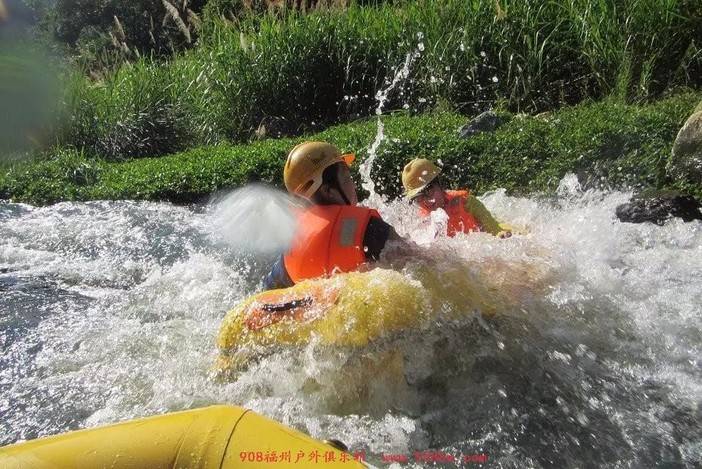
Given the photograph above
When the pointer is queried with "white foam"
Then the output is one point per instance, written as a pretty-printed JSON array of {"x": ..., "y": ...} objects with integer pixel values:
[{"x": 622, "y": 301}]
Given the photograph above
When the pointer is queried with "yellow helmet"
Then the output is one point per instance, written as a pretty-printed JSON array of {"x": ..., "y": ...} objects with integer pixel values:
[
  {"x": 417, "y": 175},
  {"x": 306, "y": 163}
]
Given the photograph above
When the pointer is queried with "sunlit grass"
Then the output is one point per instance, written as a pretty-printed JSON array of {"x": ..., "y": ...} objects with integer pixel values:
[
  {"x": 605, "y": 143},
  {"x": 310, "y": 71}
]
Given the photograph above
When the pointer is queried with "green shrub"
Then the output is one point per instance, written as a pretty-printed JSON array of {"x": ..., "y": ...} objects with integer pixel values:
[
  {"x": 103, "y": 34},
  {"x": 606, "y": 144},
  {"x": 142, "y": 110}
]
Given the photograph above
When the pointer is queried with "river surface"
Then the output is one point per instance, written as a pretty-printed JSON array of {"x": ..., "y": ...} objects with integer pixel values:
[{"x": 110, "y": 310}]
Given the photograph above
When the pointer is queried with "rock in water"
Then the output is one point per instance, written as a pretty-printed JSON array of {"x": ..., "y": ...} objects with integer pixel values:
[
  {"x": 274, "y": 127},
  {"x": 658, "y": 207},
  {"x": 685, "y": 163},
  {"x": 485, "y": 122}
]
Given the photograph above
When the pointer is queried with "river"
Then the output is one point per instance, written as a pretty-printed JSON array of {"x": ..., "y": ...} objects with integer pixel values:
[{"x": 109, "y": 311}]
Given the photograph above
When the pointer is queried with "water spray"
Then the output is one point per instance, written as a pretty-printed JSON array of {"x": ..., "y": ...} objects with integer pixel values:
[
  {"x": 255, "y": 218},
  {"x": 381, "y": 96}
]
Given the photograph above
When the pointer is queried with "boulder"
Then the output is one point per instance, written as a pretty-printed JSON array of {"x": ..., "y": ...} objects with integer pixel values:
[
  {"x": 685, "y": 163},
  {"x": 485, "y": 122},
  {"x": 274, "y": 127},
  {"x": 658, "y": 207}
]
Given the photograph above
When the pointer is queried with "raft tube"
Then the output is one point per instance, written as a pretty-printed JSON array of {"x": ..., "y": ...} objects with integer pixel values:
[
  {"x": 217, "y": 437},
  {"x": 348, "y": 310}
]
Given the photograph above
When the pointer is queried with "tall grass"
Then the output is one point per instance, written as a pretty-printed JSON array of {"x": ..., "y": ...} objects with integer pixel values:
[
  {"x": 309, "y": 71},
  {"x": 140, "y": 110}
]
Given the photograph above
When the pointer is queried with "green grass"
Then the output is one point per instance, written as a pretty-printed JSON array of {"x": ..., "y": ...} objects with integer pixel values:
[
  {"x": 605, "y": 143},
  {"x": 324, "y": 68}
]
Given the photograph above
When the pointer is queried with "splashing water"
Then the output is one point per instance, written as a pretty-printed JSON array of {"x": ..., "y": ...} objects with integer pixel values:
[
  {"x": 381, "y": 96},
  {"x": 109, "y": 311},
  {"x": 256, "y": 218}
]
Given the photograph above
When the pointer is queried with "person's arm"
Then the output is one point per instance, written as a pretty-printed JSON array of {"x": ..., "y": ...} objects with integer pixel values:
[
  {"x": 485, "y": 218},
  {"x": 381, "y": 237},
  {"x": 278, "y": 276},
  {"x": 377, "y": 234}
]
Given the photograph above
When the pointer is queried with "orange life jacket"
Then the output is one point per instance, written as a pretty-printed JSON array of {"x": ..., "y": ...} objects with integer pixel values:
[
  {"x": 329, "y": 239},
  {"x": 459, "y": 220}
]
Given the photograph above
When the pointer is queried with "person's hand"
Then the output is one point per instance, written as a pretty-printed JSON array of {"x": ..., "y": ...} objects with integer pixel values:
[{"x": 504, "y": 234}]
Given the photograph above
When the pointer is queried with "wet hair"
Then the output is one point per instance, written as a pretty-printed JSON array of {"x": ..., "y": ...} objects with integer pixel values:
[{"x": 330, "y": 177}]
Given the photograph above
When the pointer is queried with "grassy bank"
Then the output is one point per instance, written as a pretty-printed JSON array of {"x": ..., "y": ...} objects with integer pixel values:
[
  {"x": 306, "y": 72},
  {"x": 604, "y": 143}
]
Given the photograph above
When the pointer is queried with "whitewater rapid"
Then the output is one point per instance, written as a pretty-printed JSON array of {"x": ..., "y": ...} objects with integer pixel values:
[{"x": 109, "y": 311}]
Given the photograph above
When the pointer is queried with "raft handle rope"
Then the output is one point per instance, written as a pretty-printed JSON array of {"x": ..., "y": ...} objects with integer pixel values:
[{"x": 287, "y": 306}]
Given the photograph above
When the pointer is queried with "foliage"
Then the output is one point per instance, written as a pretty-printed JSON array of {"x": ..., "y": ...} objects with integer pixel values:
[
  {"x": 104, "y": 34},
  {"x": 606, "y": 143},
  {"x": 305, "y": 72}
]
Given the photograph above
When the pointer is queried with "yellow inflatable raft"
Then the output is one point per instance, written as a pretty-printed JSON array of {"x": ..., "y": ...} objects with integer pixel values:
[
  {"x": 218, "y": 437},
  {"x": 352, "y": 310}
]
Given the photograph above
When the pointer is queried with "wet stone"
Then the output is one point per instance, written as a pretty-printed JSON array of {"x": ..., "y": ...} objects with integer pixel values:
[
  {"x": 659, "y": 207},
  {"x": 685, "y": 162},
  {"x": 274, "y": 127},
  {"x": 488, "y": 121}
]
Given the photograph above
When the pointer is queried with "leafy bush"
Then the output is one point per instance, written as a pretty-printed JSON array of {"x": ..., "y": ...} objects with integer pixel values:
[
  {"x": 142, "y": 110},
  {"x": 102, "y": 34},
  {"x": 605, "y": 143}
]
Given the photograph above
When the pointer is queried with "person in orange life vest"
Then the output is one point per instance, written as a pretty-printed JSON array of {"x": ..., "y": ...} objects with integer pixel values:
[
  {"x": 333, "y": 233},
  {"x": 420, "y": 178}
]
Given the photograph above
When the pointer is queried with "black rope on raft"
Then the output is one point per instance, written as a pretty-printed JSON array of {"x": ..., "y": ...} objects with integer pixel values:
[{"x": 287, "y": 306}]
